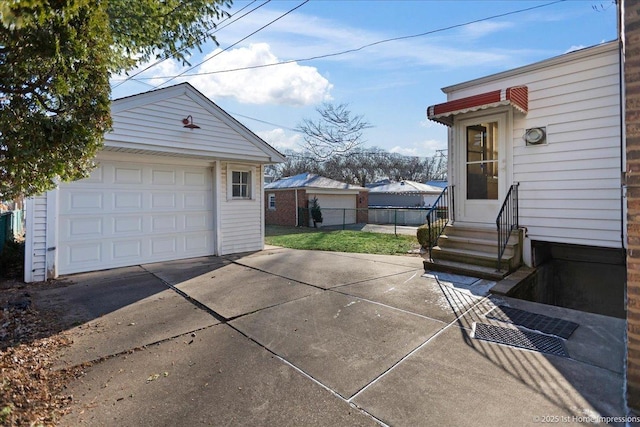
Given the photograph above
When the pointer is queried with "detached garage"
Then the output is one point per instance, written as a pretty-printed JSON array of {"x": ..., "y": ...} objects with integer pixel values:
[
  {"x": 339, "y": 202},
  {"x": 177, "y": 178}
]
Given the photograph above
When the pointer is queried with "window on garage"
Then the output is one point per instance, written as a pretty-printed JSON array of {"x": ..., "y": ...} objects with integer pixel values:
[
  {"x": 272, "y": 202},
  {"x": 241, "y": 184}
]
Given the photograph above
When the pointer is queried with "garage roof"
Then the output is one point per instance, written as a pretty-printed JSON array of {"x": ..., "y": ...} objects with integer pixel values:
[{"x": 310, "y": 180}]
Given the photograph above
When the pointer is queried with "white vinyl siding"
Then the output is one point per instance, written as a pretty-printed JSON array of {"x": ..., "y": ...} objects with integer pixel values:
[
  {"x": 36, "y": 245},
  {"x": 157, "y": 125},
  {"x": 240, "y": 219},
  {"x": 569, "y": 187}
]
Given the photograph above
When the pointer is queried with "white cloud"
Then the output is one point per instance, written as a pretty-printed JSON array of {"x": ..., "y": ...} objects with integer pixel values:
[
  {"x": 423, "y": 149},
  {"x": 288, "y": 84},
  {"x": 280, "y": 139}
]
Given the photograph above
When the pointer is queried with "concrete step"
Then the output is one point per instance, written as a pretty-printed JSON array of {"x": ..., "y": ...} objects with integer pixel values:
[
  {"x": 470, "y": 256},
  {"x": 476, "y": 244},
  {"x": 464, "y": 269}
]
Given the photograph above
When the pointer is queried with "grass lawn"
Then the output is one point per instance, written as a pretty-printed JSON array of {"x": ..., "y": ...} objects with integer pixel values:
[{"x": 339, "y": 240}]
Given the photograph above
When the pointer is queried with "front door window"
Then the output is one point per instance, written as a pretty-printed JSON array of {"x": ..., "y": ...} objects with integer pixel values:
[{"x": 482, "y": 161}]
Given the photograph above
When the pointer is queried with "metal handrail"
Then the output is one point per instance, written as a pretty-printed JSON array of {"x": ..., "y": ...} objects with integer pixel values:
[
  {"x": 440, "y": 215},
  {"x": 507, "y": 220}
]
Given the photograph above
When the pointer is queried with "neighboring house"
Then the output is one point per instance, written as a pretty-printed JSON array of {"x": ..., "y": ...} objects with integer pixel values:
[
  {"x": 441, "y": 184},
  {"x": 403, "y": 194},
  {"x": 178, "y": 177},
  {"x": 288, "y": 200},
  {"x": 554, "y": 128}
]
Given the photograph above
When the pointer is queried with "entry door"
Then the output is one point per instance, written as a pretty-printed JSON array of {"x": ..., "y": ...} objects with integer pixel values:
[{"x": 481, "y": 162}]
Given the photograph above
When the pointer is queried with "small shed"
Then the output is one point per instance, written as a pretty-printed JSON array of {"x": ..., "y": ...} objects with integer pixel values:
[
  {"x": 178, "y": 177},
  {"x": 340, "y": 203},
  {"x": 403, "y": 194}
]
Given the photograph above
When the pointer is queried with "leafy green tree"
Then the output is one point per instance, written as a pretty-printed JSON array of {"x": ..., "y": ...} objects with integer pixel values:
[{"x": 56, "y": 58}]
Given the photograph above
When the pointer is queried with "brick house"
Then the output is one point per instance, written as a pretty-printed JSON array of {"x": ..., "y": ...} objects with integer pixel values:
[
  {"x": 630, "y": 17},
  {"x": 287, "y": 201}
]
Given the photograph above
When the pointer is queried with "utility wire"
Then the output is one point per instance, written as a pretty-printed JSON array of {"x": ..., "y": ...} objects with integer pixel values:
[
  {"x": 344, "y": 52},
  {"x": 188, "y": 46},
  {"x": 238, "y": 42}
]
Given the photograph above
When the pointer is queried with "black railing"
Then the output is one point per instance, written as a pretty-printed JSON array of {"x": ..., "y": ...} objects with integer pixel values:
[
  {"x": 507, "y": 220},
  {"x": 439, "y": 215}
]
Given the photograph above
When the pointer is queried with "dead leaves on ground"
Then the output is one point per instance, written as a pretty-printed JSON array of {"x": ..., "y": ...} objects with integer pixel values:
[{"x": 31, "y": 392}]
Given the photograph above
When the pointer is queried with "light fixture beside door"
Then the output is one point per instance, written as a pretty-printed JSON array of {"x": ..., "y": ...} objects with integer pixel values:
[{"x": 535, "y": 136}]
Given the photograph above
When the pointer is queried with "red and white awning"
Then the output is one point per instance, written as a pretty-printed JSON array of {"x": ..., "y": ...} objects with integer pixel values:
[{"x": 517, "y": 97}]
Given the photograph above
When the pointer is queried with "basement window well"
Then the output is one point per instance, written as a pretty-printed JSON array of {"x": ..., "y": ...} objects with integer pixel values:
[{"x": 584, "y": 278}]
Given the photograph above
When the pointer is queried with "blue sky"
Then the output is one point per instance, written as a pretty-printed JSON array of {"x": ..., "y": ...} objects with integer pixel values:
[{"x": 391, "y": 84}]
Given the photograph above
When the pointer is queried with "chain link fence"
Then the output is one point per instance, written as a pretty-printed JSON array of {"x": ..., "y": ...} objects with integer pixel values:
[{"x": 372, "y": 219}]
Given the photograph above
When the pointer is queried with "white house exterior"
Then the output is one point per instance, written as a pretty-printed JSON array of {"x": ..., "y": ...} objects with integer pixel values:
[
  {"x": 569, "y": 173},
  {"x": 162, "y": 190}
]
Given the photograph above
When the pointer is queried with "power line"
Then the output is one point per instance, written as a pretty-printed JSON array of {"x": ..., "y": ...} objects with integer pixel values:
[
  {"x": 238, "y": 42},
  {"x": 344, "y": 52},
  {"x": 188, "y": 46}
]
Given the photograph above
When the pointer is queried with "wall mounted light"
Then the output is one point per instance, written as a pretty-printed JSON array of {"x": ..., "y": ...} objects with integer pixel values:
[
  {"x": 188, "y": 122},
  {"x": 535, "y": 136}
]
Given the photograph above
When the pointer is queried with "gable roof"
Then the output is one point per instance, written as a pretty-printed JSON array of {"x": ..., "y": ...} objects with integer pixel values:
[
  {"x": 152, "y": 122},
  {"x": 309, "y": 180},
  {"x": 405, "y": 187}
]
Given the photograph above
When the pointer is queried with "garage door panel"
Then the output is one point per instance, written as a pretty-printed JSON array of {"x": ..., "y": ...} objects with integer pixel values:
[
  {"x": 195, "y": 179},
  {"x": 163, "y": 201},
  {"x": 83, "y": 253},
  {"x": 122, "y": 249},
  {"x": 195, "y": 242},
  {"x": 125, "y": 200},
  {"x": 127, "y": 175},
  {"x": 85, "y": 201},
  {"x": 163, "y": 177},
  {"x": 164, "y": 223},
  {"x": 130, "y": 214},
  {"x": 127, "y": 224},
  {"x": 164, "y": 245}
]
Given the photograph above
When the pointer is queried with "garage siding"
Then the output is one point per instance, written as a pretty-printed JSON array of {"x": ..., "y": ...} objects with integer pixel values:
[
  {"x": 37, "y": 242},
  {"x": 240, "y": 220}
]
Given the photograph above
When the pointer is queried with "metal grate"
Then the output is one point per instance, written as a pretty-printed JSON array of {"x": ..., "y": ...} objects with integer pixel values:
[
  {"x": 519, "y": 338},
  {"x": 537, "y": 322}
]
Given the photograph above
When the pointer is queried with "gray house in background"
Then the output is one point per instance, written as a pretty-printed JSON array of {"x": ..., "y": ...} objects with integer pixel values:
[{"x": 403, "y": 194}]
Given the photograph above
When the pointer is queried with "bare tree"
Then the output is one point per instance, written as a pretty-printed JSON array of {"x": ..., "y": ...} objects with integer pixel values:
[{"x": 336, "y": 132}]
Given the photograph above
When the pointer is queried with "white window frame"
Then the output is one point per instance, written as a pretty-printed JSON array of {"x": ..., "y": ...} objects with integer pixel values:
[
  {"x": 250, "y": 170},
  {"x": 271, "y": 199}
]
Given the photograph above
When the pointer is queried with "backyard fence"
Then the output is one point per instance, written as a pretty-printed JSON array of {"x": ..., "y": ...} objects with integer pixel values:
[
  {"x": 10, "y": 226},
  {"x": 390, "y": 220}
]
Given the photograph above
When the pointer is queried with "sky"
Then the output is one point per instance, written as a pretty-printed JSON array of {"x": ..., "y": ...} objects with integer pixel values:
[{"x": 389, "y": 83}]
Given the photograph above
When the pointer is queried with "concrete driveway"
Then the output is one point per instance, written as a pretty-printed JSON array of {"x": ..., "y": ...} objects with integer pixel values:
[{"x": 288, "y": 337}]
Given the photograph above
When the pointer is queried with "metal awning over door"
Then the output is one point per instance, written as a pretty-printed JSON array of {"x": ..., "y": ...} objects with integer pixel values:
[{"x": 516, "y": 97}]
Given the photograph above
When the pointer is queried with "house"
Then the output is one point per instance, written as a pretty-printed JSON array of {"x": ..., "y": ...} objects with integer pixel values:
[
  {"x": 288, "y": 200},
  {"x": 541, "y": 148},
  {"x": 178, "y": 177},
  {"x": 403, "y": 194}
]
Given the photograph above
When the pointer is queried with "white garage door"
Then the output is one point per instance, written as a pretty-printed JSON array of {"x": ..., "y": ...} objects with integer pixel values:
[
  {"x": 337, "y": 208},
  {"x": 130, "y": 213}
]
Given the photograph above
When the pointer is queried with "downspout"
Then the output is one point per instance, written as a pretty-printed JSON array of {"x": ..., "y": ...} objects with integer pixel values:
[
  {"x": 295, "y": 191},
  {"x": 623, "y": 133}
]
